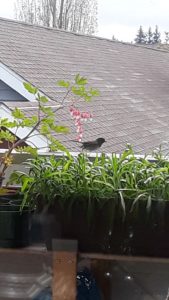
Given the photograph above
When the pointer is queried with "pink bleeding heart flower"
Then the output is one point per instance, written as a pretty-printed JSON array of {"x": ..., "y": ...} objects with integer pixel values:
[{"x": 78, "y": 118}]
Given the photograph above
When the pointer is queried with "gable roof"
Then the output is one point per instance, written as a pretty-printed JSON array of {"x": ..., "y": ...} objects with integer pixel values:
[{"x": 133, "y": 81}]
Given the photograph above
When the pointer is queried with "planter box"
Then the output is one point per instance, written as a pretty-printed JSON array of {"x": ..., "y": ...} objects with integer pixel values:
[
  {"x": 14, "y": 224},
  {"x": 142, "y": 233},
  {"x": 92, "y": 236}
]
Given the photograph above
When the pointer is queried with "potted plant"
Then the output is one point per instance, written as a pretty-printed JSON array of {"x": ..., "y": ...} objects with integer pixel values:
[
  {"x": 71, "y": 199},
  {"x": 113, "y": 204},
  {"x": 80, "y": 197},
  {"x": 144, "y": 226},
  {"x": 44, "y": 123}
]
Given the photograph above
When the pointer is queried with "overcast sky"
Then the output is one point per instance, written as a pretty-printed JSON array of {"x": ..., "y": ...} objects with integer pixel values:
[{"x": 120, "y": 18}]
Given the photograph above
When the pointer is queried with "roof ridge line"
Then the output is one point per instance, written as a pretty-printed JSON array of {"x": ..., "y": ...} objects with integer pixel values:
[{"x": 81, "y": 34}]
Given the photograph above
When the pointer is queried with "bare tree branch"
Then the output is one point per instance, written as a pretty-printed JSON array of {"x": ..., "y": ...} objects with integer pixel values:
[{"x": 72, "y": 15}]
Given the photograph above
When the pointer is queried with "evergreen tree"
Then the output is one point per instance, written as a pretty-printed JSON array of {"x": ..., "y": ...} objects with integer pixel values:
[
  {"x": 166, "y": 37},
  {"x": 140, "y": 37},
  {"x": 114, "y": 38},
  {"x": 156, "y": 36},
  {"x": 149, "y": 36}
]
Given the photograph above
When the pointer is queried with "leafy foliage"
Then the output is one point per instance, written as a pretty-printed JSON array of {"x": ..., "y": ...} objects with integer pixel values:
[
  {"x": 30, "y": 88},
  {"x": 125, "y": 180},
  {"x": 64, "y": 83},
  {"x": 42, "y": 122},
  {"x": 79, "y": 88}
]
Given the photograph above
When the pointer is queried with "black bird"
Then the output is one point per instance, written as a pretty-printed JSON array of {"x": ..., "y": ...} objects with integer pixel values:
[{"x": 92, "y": 145}]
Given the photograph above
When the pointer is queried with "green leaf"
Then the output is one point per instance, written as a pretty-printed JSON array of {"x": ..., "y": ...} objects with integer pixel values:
[
  {"x": 14, "y": 177},
  {"x": 8, "y": 124},
  {"x": 143, "y": 195},
  {"x": 47, "y": 110},
  {"x": 149, "y": 203},
  {"x": 18, "y": 114},
  {"x": 94, "y": 92},
  {"x": 35, "y": 119},
  {"x": 48, "y": 121},
  {"x": 80, "y": 80},
  {"x": 60, "y": 129},
  {"x": 44, "y": 129},
  {"x": 7, "y": 136},
  {"x": 27, "y": 122},
  {"x": 27, "y": 149},
  {"x": 87, "y": 98},
  {"x": 63, "y": 83},
  {"x": 79, "y": 91},
  {"x": 43, "y": 99},
  {"x": 122, "y": 203},
  {"x": 30, "y": 88},
  {"x": 26, "y": 182},
  {"x": 4, "y": 122}
]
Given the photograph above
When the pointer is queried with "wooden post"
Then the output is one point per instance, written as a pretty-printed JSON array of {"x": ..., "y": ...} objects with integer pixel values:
[{"x": 64, "y": 269}]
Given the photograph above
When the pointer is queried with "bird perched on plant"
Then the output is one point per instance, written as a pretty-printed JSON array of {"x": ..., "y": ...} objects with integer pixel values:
[{"x": 92, "y": 145}]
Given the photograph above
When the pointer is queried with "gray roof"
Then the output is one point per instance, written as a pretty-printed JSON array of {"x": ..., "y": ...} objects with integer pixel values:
[{"x": 133, "y": 81}]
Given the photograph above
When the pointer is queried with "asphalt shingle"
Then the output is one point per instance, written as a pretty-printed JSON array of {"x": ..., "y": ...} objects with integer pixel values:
[{"x": 133, "y": 105}]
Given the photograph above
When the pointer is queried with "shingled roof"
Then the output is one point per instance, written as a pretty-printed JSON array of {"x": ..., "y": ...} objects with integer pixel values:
[{"x": 133, "y": 106}]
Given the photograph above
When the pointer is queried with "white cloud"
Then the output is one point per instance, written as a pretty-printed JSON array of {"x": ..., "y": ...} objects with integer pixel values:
[
  {"x": 7, "y": 9},
  {"x": 122, "y": 32},
  {"x": 122, "y": 18}
]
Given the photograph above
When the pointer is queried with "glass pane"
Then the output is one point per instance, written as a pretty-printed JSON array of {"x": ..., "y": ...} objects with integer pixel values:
[
  {"x": 132, "y": 280},
  {"x": 25, "y": 274}
]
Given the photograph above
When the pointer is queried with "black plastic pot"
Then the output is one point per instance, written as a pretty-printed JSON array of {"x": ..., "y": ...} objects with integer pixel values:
[
  {"x": 139, "y": 233},
  {"x": 143, "y": 233},
  {"x": 93, "y": 236},
  {"x": 14, "y": 224}
]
